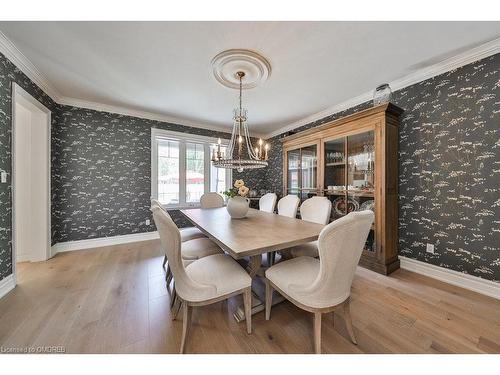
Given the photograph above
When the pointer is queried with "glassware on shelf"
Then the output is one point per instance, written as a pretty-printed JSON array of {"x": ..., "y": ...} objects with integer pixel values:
[
  {"x": 334, "y": 157},
  {"x": 382, "y": 94}
]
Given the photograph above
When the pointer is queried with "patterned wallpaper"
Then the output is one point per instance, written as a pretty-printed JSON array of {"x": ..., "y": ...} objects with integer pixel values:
[
  {"x": 101, "y": 176},
  {"x": 101, "y": 169},
  {"x": 9, "y": 73},
  {"x": 449, "y": 168}
]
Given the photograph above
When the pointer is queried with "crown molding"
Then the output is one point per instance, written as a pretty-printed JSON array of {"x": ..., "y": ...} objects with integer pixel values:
[
  {"x": 18, "y": 59},
  {"x": 12, "y": 53},
  {"x": 141, "y": 114},
  {"x": 485, "y": 50}
]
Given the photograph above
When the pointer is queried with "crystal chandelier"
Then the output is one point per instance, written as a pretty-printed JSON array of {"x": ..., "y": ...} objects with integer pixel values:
[{"x": 240, "y": 152}]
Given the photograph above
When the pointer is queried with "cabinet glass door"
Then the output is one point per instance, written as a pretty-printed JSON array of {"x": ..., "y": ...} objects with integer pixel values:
[
  {"x": 361, "y": 176},
  {"x": 334, "y": 180},
  {"x": 309, "y": 171},
  {"x": 293, "y": 172}
]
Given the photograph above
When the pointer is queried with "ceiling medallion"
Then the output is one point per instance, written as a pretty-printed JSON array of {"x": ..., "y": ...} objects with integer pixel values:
[{"x": 227, "y": 63}]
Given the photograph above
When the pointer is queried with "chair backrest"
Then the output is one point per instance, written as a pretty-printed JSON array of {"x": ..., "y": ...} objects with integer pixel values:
[
  {"x": 340, "y": 246},
  {"x": 267, "y": 202},
  {"x": 170, "y": 239},
  {"x": 155, "y": 202},
  {"x": 211, "y": 200},
  {"x": 288, "y": 205},
  {"x": 316, "y": 210}
]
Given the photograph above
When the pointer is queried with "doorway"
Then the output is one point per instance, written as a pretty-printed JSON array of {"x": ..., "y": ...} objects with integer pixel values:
[{"x": 30, "y": 178}]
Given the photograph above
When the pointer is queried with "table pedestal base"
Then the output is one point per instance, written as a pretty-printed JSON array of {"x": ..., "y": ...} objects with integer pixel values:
[{"x": 258, "y": 291}]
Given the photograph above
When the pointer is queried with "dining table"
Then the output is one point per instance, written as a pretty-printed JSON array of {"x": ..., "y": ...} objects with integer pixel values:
[{"x": 250, "y": 237}]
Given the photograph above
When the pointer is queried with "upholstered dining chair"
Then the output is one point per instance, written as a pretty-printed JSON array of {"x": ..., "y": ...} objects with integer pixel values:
[
  {"x": 187, "y": 234},
  {"x": 323, "y": 285},
  {"x": 211, "y": 200},
  {"x": 288, "y": 206},
  {"x": 316, "y": 210},
  {"x": 267, "y": 202},
  {"x": 205, "y": 281},
  {"x": 191, "y": 249}
]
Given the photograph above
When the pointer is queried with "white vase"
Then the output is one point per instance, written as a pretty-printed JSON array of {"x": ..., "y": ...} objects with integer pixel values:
[{"x": 237, "y": 207}]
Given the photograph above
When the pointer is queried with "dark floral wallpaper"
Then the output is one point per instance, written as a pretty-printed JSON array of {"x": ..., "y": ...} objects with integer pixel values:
[
  {"x": 101, "y": 169},
  {"x": 449, "y": 168},
  {"x": 101, "y": 173}
]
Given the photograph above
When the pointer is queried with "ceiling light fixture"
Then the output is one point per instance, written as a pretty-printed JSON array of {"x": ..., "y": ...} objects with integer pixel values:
[{"x": 241, "y": 154}]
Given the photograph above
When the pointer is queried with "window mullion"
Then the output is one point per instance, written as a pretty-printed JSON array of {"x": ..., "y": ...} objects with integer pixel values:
[
  {"x": 182, "y": 173},
  {"x": 206, "y": 163}
]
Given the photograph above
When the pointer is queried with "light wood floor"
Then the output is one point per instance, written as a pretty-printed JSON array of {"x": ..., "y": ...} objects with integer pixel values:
[{"x": 114, "y": 300}]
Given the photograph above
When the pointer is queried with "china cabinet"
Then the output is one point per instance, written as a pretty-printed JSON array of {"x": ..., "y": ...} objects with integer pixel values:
[{"x": 354, "y": 162}]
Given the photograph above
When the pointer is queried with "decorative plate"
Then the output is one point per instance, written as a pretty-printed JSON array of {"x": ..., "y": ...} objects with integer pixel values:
[
  {"x": 368, "y": 205},
  {"x": 339, "y": 205}
]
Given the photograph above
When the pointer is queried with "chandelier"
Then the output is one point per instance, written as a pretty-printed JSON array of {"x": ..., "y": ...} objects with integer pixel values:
[{"x": 240, "y": 152}]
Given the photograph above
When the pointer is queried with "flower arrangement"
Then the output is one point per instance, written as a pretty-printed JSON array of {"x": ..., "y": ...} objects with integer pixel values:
[{"x": 239, "y": 189}]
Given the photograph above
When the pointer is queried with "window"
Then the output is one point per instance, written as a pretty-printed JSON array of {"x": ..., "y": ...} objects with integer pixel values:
[
  {"x": 181, "y": 170},
  {"x": 168, "y": 172},
  {"x": 220, "y": 179}
]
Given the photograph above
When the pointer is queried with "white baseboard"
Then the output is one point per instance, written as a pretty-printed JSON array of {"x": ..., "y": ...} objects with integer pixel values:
[
  {"x": 23, "y": 257},
  {"x": 104, "y": 241},
  {"x": 6, "y": 285},
  {"x": 463, "y": 280}
]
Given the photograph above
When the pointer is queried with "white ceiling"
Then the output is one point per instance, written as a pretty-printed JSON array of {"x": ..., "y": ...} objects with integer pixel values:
[{"x": 164, "y": 67}]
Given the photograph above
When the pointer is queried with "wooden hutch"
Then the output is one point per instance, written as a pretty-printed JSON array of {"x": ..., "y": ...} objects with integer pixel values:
[{"x": 354, "y": 162}]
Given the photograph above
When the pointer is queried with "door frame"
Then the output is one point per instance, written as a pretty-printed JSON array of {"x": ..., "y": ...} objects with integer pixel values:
[{"x": 19, "y": 94}]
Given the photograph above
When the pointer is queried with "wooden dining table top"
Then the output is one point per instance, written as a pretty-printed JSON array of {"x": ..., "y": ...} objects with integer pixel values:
[{"x": 255, "y": 234}]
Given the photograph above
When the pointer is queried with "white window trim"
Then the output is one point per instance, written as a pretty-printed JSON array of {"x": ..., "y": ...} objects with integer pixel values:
[{"x": 182, "y": 138}]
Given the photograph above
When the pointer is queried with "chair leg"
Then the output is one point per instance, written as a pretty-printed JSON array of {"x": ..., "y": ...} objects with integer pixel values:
[
  {"x": 176, "y": 308},
  {"x": 247, "y": 302},
  {"x": 348, "y": 321},
  {"x": 286, "y": 254},
  {"x": 173, "y": 296},
  {"x": 164, "y": 261},
  {"x": 269, "y": 299},
  {"x": 270, "y": 261},
  {"x": 186, "y": 322},
  {"x": 273, "y": 257},
  {"x": 317, "y": 332},
  {"x": 168, "y": 275}
]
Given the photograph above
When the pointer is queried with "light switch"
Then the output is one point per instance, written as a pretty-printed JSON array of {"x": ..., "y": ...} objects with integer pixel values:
[{"x": 3, "y": 177}]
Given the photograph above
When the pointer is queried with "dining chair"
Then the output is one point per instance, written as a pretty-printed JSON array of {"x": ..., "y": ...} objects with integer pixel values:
[
  {"x": 187, "y": 234},
  {"x": 288, "y": 206},
  {"x": 191, "y": 249},
  {"x": 205, "y": 281},
  {"x": 316, "y": 210},
  {"x": 267, "y": 202},
  {"x": 323, "y": 285},
  {"x": 211, "y": 200}
]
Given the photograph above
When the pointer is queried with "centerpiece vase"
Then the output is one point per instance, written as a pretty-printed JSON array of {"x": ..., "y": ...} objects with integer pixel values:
[{"x": 237, "y": 207}]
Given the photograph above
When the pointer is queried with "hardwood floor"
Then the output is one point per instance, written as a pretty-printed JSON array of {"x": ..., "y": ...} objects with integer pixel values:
[{"x": 114, "y": 300}]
